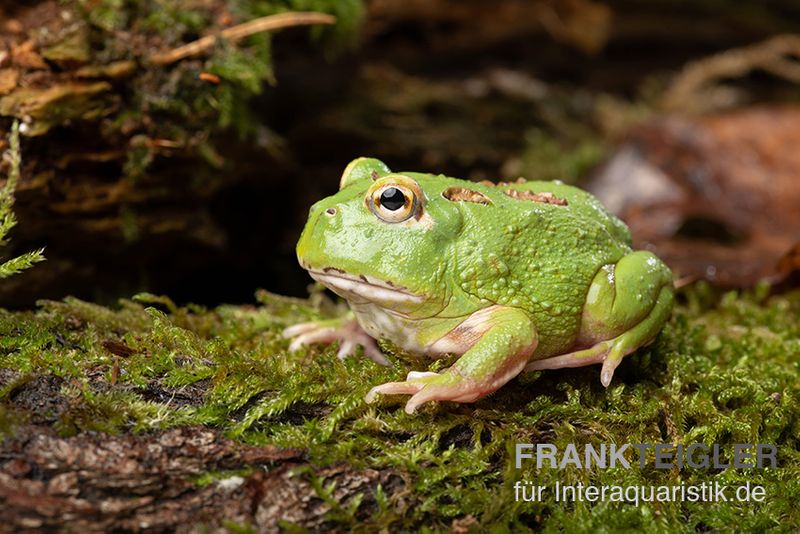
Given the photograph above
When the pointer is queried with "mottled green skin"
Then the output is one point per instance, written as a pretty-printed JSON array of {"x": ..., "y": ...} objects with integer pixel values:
[
  {"x": 532, "y": 255},
  {"x": 549, "y": 272}
]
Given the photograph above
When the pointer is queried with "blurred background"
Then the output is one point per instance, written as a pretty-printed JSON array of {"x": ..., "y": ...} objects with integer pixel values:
[{"x": 192, "y": 176}]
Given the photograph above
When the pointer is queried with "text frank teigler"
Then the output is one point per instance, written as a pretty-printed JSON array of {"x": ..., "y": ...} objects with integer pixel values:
[{"x": 642, "y": 455}]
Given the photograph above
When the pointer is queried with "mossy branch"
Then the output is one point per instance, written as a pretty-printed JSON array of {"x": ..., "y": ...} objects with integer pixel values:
[{"x": 240, "y": 31}]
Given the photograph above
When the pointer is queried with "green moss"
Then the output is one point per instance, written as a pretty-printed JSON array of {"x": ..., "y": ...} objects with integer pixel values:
[
  {"x": 110, "y": 15},
  {"x": 167, "y": 17},
  {"x": 724, "y": 370},
  {"x": 238, "y": 528},
  {"x": 8, "y": 220}
]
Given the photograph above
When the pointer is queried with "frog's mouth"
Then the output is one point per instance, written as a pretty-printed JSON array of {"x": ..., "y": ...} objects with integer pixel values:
[{"x": 361, "y": 288}]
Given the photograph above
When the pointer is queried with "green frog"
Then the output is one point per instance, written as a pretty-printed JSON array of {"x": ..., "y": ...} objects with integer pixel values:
[{"x": 511, "y": 277}]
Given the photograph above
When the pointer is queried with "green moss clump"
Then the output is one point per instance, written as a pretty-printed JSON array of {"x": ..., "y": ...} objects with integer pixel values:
[{"x": 725, "y": 370}]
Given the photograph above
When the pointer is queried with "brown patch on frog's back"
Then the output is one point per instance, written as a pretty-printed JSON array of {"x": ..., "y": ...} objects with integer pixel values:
[
  {"x": 462, "y": 194},
  {"x": 544, "y": 197}
]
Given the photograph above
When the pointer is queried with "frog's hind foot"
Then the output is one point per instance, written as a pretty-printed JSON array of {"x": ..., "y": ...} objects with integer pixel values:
[
  {"x": 595, "y": 354},
  {"x": 611, "y": 352}
]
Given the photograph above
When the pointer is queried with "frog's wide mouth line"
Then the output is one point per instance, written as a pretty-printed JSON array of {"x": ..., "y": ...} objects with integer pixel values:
[{"x": 363, "y": 286}]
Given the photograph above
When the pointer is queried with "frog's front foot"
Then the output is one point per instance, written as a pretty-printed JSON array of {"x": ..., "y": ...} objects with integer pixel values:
[
  {"x": 426, "y": 386},
  {"x": 346, "y": 331},
  {"x": 508, "y": 340}
]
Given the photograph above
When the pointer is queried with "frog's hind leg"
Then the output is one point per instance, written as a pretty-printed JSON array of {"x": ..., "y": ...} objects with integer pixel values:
[
  {"x": 611, "y": 352},
  {"x": 626, "y": 306}
]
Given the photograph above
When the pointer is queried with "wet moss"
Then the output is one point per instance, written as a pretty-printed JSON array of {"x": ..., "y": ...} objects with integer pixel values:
[{"x": 724, "y": 370}]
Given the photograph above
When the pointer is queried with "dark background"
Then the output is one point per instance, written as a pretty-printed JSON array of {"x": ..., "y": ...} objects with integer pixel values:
[{"x": 445, "y": 88}]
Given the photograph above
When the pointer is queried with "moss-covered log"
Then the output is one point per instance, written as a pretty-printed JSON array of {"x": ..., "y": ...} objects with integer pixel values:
[
  {"x": 303, "y": 448},
  {"x": 137, "y": 117}
]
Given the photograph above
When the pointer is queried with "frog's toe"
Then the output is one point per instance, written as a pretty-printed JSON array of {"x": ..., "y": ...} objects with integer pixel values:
[
  {"x": 435, "y": 392},
  {"x": 420, "y": 375},
  {"x": 351, "y": 335},
  {"x": 393, "y": 388},
  {"x": 350, "y": 341},
  {"x": 375, "y": 354},
  {"x": 298, "y": 329},
  {"x": 318, "y": 335},
  {"x": 346, "y": 348},
  {"x": 415, "y": 381},
  {"x": 607, "y": 371}
]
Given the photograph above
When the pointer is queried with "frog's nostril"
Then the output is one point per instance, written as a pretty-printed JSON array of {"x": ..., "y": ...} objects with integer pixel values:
[{"x": 330, "y": 211}]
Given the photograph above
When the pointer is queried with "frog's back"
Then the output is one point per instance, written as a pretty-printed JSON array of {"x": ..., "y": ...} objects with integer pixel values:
[
  {"x": 534, "y": 245},
  {"x": 580, "y": 202}
]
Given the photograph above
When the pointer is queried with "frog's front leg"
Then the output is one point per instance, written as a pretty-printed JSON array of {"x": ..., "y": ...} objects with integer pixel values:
[
  {"x": 501, "y": 341},
  {"x": 345, "y": 330},
  {"x": 626, "y": 306}
]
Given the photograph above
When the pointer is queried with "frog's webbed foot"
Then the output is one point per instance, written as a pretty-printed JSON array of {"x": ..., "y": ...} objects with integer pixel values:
[
  {"x": 346, "y": 331},
  {"x": 507, "y": 342}
]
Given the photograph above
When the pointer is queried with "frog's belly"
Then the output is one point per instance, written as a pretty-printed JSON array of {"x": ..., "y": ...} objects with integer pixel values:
[
  {"x": 404, "y": 332},
  {"x": 380, "y": 323}
]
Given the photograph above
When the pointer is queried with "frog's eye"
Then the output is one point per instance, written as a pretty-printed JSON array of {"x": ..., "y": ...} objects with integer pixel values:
[{"x": 393, "y": 203}]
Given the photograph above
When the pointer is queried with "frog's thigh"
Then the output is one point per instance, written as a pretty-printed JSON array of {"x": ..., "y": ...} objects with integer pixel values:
[
  {"x": 626, "y": 307},
  {"x": 506, "y": 344},
  {"x": 622, "y": 295},
  {"x": 638, "y": 336}
]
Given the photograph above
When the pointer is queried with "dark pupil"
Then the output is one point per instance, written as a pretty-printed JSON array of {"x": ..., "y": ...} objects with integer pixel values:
[{"x": 392, "y": 199}]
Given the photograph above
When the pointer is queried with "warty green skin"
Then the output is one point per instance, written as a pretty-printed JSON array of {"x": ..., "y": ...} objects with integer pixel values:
[{"x": 505, "y": 281}]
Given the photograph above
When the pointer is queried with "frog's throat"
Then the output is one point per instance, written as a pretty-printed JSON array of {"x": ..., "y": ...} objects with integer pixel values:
[{"x": 361, "y": 289}]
